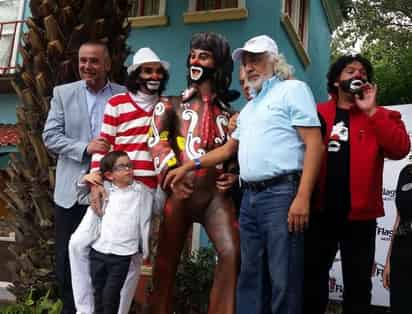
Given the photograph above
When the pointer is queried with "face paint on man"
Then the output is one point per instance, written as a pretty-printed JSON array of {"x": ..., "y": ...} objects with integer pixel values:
[
  {"x": 353, "y": 85},
  {"x": 151, "y": 77},
  {"x": 152, "y": 85},
  {"x": 353, "y": 78}
]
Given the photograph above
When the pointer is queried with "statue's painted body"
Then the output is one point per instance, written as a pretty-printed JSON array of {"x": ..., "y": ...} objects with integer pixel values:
[{"x": 185, "y": 128}]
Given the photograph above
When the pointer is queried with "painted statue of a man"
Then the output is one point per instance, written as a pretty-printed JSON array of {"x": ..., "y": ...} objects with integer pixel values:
[{"x": 185, "y": 128}]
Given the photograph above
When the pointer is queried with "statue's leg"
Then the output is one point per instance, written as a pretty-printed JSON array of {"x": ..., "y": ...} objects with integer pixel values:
[
  {"x": 172, "y": 235},
  {"x": 221, "y": 226}
]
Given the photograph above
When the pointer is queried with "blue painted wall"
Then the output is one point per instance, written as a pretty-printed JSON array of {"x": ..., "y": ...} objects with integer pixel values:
[
  {"x": 319, "y": 50},
  {"x": 8, "y": 103},
  {"x": 171, "y": 42}
]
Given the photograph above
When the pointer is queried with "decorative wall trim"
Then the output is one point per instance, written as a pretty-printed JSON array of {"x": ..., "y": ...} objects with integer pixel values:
[
  {"x": 209, "y": 16},
  {"x": 148, "y": 21}
]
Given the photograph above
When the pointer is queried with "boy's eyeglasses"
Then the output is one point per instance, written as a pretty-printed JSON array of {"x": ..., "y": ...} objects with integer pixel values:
[{"x": 123, "y": 167}]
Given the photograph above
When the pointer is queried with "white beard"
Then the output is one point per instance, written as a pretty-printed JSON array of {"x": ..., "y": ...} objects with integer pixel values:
[{"x": 256, "y": 85}]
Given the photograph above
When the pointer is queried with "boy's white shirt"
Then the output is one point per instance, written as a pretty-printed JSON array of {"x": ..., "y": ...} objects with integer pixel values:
[
  {"x": 83, "y": 192},
  {"x": 126, "y": 221}
]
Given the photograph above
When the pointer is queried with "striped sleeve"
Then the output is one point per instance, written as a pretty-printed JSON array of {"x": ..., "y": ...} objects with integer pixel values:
[{"x": 108, "y": 131}]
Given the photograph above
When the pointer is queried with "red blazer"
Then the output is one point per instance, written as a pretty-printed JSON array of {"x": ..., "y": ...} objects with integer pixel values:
[{"x": 371, "y": 139}]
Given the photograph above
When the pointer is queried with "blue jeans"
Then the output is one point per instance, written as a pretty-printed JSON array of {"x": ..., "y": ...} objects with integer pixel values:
[{"x": 271, "y": 274}]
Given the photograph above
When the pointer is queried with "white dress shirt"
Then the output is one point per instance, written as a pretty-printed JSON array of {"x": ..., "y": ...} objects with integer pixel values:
[
  {"x": 126, "y": 220},
  {"x": 96, "y": 103}
]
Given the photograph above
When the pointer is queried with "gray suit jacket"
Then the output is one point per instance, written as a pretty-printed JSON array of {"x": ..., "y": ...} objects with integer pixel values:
[{"x": 67, "y": 134}]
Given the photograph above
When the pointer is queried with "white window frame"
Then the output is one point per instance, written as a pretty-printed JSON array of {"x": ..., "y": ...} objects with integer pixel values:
[
  {"x": 160, "y": 19},
  {"x": 194, "y": 16},
  {"x": 13, "y": 61},
  {"x": 291, "y": 25}
]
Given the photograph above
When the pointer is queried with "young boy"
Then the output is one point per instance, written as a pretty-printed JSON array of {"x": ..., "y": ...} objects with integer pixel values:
[{"x": 123, "y": 230}]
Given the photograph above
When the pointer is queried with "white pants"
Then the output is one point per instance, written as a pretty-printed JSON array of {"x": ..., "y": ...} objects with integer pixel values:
[{"x": 79, "y": 249}]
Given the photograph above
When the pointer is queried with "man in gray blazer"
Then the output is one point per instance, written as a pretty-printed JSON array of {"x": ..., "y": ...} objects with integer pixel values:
[{"x": 72, "y": 132}]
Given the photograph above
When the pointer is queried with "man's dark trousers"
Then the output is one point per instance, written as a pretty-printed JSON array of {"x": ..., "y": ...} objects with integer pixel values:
[
  {"x": 356, "y": 241},
  {"x": 66, "y": 221}
]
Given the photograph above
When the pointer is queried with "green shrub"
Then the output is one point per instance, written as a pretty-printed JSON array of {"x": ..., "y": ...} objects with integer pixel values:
[
  {"x": 33, "y": 305},
  {"x": 194, "y": 280}
]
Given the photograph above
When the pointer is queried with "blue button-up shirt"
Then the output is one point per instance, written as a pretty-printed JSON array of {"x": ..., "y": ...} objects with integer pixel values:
[
  {"x": 96, "y": 102},
  {"x": 269, "y": 144}
]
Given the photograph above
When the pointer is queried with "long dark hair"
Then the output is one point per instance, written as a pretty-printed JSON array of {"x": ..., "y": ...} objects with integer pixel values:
[{"x": 220, "y": 49}]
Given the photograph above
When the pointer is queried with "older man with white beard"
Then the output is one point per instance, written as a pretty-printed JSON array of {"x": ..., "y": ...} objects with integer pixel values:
[{"x": 279, "y": 148}]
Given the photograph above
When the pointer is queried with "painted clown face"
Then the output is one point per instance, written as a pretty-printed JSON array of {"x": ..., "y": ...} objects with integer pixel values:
[
  {"x": 201, "y": 65},
  {"x": 152, "y": 74}
]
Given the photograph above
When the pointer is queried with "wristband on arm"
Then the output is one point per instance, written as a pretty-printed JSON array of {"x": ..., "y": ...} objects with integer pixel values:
[{"x": 197, "y": 163}]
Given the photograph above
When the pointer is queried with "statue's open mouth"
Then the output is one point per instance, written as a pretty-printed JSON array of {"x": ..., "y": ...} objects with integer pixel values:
[{"x": 195, "y": 72}]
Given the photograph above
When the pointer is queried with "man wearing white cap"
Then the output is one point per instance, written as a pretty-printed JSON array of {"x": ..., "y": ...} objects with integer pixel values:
[
  {"x": 279, "y": 148},
  {"x": 125, "y": 127}
]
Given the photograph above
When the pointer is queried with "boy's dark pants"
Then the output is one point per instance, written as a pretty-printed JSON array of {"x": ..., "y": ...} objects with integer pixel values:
[{"x": 108, "y": 272}]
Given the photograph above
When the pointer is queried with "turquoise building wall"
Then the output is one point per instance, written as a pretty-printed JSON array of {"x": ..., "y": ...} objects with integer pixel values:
[
  {"x": 171, "y": 41},
  {"x": 9, "y": 101},
  {"x": 8, "y": 104}
]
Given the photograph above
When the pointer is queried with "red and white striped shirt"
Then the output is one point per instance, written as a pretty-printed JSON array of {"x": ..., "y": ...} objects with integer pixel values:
[{"x": 126, "y": 127}]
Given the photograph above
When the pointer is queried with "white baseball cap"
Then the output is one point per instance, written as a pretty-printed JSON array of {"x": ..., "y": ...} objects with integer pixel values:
[
  {"x": 258, "y": 44},
  {"x": 146, "y": 55}
]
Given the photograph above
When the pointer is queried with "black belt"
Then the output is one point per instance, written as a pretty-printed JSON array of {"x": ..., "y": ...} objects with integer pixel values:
[{"x": 258, "y": 186}]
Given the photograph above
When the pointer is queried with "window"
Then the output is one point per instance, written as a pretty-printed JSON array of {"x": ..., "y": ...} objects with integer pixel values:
[
  {"x": 146, "y": 13},
  {"x": 202, "y": 5},
  {"x": 11, "y": 13},
  {"x": 296, "y": 11},
  {"x": 295, "y": 15},
  {"x": 144, "y": 7},
  {"x": 204, "y": 11}
]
